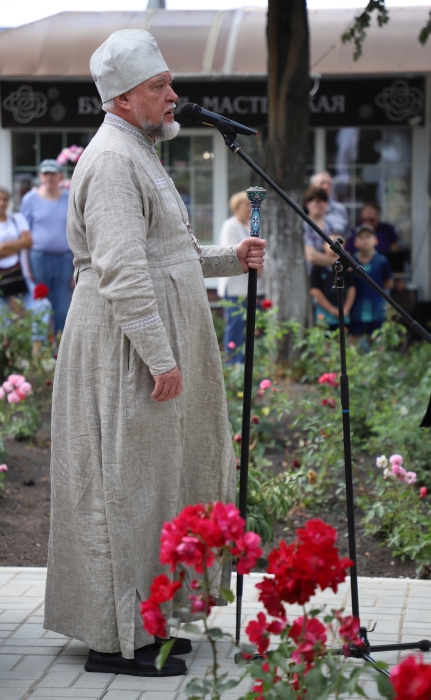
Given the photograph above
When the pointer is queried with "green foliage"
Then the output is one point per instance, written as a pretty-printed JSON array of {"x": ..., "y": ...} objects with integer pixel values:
[
  {"x": 396, "y": 513},
  {"x": 270, "y": 496},
  {"x": 425, "y": 32},
  {"x": 357, "y": 32},
  {"x": 389, "y": 390},
  {"x": 18, "y": 355}
]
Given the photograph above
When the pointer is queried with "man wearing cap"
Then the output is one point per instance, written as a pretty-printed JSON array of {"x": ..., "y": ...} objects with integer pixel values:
[
  {"x": 51, "y": 260},
  {"x": 139, "y": 427}
]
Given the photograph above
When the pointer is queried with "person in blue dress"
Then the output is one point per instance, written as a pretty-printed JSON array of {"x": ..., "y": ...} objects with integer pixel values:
[
  {"x": 369, "y": 309},
  {"x": 51, "y": 260}
]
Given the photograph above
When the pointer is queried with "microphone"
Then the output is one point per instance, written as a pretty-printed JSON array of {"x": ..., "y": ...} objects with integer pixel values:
[{"x": 196, "y": 113}]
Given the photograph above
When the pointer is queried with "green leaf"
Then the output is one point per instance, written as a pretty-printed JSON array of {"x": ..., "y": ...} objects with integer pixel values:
[
  {"x": 174, "y": 622},
  {"x": 164, "y": 653},
  {"x": 385, "y": 686},
  {"x": 215, "y": 633},
  {"x": 199, "y": 686},
  {"x": 227, "y": 685},
  {"x": 227, "y": 595}
]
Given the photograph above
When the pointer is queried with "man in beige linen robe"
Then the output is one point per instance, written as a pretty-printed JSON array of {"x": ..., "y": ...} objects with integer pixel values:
[{"x": 139, "y": 421}]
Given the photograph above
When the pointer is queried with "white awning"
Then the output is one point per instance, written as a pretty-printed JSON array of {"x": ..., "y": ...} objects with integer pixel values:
[{"x": 212, "y": 43}]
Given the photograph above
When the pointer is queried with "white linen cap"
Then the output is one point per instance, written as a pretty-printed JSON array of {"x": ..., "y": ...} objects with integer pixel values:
[{"x": 126, "y": 59}]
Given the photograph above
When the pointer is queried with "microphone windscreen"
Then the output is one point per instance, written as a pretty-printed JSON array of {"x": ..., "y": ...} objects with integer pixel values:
[{"x": 191, "y": 111}]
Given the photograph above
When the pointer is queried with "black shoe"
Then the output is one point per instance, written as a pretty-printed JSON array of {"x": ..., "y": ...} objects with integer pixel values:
[
  {"x": 142, "y": 665},
  {"x": 181, "y": 645}
]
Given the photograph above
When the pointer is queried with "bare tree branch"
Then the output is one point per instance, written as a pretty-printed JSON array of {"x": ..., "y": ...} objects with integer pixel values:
[{"x": 357, "y": 32}]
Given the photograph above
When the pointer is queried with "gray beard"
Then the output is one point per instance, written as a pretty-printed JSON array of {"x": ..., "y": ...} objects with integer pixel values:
[{"x": 161, "y": 131}]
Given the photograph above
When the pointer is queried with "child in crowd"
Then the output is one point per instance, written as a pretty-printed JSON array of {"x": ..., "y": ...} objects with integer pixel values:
[
  {"x": 322, "y": 282},
  {"x": 369, "y": 309}
]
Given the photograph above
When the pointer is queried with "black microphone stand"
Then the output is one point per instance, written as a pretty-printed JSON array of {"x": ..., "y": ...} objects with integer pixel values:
[{"x": 343, "y": 263}]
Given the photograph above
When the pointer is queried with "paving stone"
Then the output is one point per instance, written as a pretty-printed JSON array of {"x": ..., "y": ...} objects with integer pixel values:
[
  {"x": 94, "y": 680},
  {"x": 123, "y": 695},
  {"x": 36, "y": 665},
  {"x": 8, "y": 661},
  {"x": 66, "y": 692},
  {"x": 16, "y": 693},
  {"x": 7, "y": 648},
  {"x": 14, "y": 683},
  {"x": 59, "y": 679},
  {"x": 13, "y": 589},
  {"x": 16, "y": 641},
  {"x": 75, "y": 660},
  {"x": 27, "y": 631},
  {"x": 121, "y": 682},
  {"x": 155, "y": 695},
  {"x": 10, "y": 616}
]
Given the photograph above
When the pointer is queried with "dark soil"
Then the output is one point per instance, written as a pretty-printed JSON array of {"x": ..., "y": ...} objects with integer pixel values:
[
  {"x": 25, "y": 502},
  {"x": 25, "y": 514}
]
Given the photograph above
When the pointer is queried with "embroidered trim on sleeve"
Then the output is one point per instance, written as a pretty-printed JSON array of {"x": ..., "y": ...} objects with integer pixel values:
[{"x": 140, "y": 323}]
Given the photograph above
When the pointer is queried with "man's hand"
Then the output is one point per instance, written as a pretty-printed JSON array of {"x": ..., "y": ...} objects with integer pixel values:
[
  {"x": 251, "y": 252},
  {"x": 168, "y": 385}
]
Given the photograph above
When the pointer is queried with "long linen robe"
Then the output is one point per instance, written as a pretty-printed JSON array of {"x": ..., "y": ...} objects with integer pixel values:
[{"x": 121, "y": 462}]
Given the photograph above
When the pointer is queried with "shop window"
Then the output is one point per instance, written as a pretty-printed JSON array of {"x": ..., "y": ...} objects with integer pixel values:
[
  {"x": 189, "y": 162},
  {"x": 240, "y": 174},
  {"x": 29, "y": 148},
  {"x": 373, "y": 165}
]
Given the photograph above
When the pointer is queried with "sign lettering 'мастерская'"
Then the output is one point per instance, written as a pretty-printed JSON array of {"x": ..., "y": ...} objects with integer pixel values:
[{"x": 361, "y": 102}]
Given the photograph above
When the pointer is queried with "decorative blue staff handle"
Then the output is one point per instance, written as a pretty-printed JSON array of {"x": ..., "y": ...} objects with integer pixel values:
[{"x": 256, "y": 196}]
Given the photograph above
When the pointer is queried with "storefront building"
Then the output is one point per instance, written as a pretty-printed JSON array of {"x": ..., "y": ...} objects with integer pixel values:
[{"x": 369, "y": 120}]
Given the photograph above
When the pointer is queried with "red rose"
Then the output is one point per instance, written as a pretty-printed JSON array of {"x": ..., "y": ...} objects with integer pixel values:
[
  {"x": 257, "y": 633},
  {"x": 411, "y": 679},
  {"x": 40, "y": 291},
  {"x": 154, "y": 621},
  {"x": 267, "y": 304},
  {"x": 248, "y": 551},
  {"x": 349, "y": 628},
  {"x": 330, "y": 378},
  {"x": 162, "y": 589},
  {"x": 310, "y": 635}
]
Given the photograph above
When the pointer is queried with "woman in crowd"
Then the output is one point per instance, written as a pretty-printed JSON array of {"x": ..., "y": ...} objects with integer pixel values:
[
  {"x": 51, "y": 260},
  {"x": 15, "y": 239},
  {"x": 316, "y": 205}
]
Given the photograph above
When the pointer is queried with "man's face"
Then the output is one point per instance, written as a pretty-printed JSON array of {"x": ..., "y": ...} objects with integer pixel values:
[
  {"x": 370, "y": 216},
  {"x": 153, "y": 102},
  {"x": 324, "y": 182}
]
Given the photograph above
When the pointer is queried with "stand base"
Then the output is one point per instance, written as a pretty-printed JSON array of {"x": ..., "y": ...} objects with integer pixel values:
[{"x": 364, "y": 651}]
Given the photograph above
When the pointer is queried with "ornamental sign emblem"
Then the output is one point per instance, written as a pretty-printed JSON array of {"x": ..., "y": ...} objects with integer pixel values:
[
  {"x": 26, "y": 104},
  {"x": 400, "y": 101}
]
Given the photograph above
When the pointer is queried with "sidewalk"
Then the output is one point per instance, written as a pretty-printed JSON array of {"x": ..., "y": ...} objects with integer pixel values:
[{"x": 35, "y": 663}]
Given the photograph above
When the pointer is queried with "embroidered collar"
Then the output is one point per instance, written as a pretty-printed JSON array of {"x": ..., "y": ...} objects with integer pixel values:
[{"x": 123, "y": 125}]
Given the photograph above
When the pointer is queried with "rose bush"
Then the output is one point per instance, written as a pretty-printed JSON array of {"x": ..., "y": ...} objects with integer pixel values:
[{"x": 303, "y": 664}]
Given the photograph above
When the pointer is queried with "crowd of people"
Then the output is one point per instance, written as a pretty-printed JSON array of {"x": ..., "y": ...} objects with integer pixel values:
[
  {"x": 367, "y": 243},
  {"x": 364, "y": 308},
  {"x": 36, "y": 263},
  {"x": 34, "y": 253}
]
